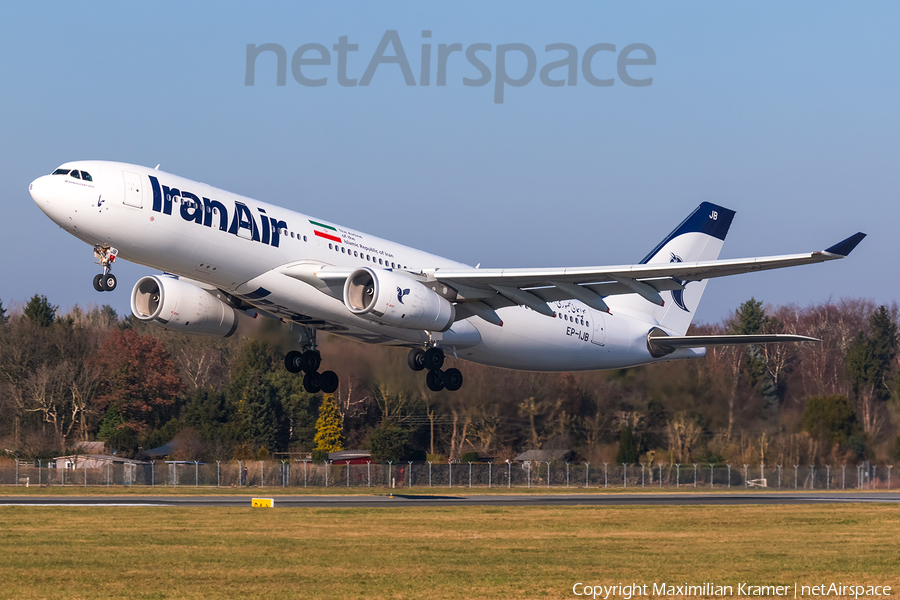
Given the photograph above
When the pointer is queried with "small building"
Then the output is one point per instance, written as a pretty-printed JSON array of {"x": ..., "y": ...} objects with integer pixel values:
[
  {"x": 354, "y": 457},
  {"x": 543, "y": 456},
  {"x": 93, "y": 461}
]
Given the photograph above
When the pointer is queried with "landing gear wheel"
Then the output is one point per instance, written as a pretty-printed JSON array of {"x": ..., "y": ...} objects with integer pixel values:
[
  {"x": 435, "y": 381},
  {"x": 108, "y": 282},
  {"x": 311, "y": 383},
  {"x": 453, "y": 379},
  {"x": 416, "y": 359},
  {"x": 310, "y": 361},
  {"x": 292, "y": 362},
  {"x": 434, "y": 359},
  {"x": 98, "y": 283},
  {"x": 328, "y": 381}
]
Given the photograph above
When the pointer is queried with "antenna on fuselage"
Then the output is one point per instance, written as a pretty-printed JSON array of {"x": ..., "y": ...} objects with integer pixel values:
[{"x": 156, "y": 168}]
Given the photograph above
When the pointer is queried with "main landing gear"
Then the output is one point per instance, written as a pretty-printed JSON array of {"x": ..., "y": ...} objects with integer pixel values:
[
  {"x": 308, "y": 362},
  {"x": 433, "y": 359},
  {"x": 106, "y": 256}
]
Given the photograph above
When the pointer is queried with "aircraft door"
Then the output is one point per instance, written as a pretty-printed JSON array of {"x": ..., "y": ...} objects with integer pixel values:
[
  {"x": 598, "y": 328},
  {"x": 134, "y": 189}
]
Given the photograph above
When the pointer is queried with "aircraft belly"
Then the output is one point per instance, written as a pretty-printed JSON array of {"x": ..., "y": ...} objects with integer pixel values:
[{"x": 532, "y": 341}]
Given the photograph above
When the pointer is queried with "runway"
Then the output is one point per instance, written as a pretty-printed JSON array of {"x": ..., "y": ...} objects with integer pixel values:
[{"x": 444, "y": 500}]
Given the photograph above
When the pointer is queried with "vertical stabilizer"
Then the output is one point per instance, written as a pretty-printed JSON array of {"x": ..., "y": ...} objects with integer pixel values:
[{"x": 698, "y": 238}]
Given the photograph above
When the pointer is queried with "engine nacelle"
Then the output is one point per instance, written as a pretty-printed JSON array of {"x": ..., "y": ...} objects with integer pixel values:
[
  {"x": 182, "y": 306},
  {"x": 396, "y": 300}
]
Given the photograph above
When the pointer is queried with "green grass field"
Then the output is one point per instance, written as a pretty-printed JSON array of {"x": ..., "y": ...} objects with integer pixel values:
[{"x": 471, "y": 552}]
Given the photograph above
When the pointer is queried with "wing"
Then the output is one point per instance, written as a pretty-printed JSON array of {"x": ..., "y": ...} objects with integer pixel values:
[{"x": 488, "y": 289}]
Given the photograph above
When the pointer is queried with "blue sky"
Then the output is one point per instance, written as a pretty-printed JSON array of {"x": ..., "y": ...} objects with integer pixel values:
[{"x": 783, "y": 112}]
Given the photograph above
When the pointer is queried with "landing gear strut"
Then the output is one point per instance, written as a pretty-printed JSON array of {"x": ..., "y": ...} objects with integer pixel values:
[
  {"x": 106, "y": 256},
  {"x": 433, "y": 359},
  {"x": 308, "y": 362}
]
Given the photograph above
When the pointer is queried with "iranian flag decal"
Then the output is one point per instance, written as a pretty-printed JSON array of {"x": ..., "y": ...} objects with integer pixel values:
[{"x": 325, "y": 231}]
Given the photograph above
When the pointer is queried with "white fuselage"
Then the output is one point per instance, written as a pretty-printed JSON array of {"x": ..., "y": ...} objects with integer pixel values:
[{"x": 243, "y": 246}]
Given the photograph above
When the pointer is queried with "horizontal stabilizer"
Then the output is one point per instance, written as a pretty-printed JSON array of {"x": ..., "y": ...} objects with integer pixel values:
[{"x": 660, "y": 344}]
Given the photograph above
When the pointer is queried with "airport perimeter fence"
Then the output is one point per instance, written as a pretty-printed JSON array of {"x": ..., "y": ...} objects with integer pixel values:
[{"x": 304, "y": 473}]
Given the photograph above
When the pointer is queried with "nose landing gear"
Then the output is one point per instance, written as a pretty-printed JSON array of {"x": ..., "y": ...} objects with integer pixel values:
[
  {"x": 106, "y": 256},
  {"x": 433, "y": 359},
  {"x": 308, "y": 362}
]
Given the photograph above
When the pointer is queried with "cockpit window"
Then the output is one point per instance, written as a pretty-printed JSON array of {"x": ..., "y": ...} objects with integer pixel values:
[
  {"x": 86, "y": 176},
  {"x": 61, "y": 172},
  {"x": 74, "y": 174}
]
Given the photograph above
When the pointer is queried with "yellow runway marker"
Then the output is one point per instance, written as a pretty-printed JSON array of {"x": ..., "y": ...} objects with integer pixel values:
[{"x": 262, "y": 503}]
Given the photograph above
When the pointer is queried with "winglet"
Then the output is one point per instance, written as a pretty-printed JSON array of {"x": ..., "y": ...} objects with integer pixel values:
[{"x": 846, "y": 247}]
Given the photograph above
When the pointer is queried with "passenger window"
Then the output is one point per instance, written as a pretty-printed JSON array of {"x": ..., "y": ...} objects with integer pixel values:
[
  {"x": 368, "y": 258},
  {"x": 304, "y": 238},
  {"x": 392, "y": 266},
  {"x": 329, "y": 246},
  {"x": 380, "y": 262},
  {"x": 86, "y": 176},
  {"x": 61, "y": 172},
  {"x": 343, "y": 250},
  {"x": 587, "y": 323},
  {"x": 355, "y": 254},
  {"x": 74, "y": 174},
  {"x": 292, "y": 234}
]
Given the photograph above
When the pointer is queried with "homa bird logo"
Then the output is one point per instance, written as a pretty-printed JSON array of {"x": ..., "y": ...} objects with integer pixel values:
[
  {"x": 678, "y": 295},
  {"x": 401, "y": 293}
]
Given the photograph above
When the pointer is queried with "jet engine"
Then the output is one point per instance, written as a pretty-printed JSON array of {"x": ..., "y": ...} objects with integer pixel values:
[
  {"x": 394, "y": 299},
  {"x": 181, "y": 306}
]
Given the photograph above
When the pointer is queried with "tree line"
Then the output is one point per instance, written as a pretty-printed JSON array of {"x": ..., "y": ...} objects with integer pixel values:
[{"x": 91, "y": 375}]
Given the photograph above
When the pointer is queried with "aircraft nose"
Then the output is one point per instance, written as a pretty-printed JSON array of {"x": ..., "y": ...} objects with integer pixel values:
[{"x": 39, "y": 190}]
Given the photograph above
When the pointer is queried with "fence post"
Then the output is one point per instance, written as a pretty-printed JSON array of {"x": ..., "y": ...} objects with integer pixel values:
[
  {"x": 85, "y": 471},
  {"x": 746, "y": 484},
  {"x": 779, "y": 476},
  {"x": 586, "y": 467},
  {"x": 429, "y": 473},
  {"x": 677, "y": 475},
  {"x": 695, "y": 474},
  {"x": 109, "y": 462},
  {"x": 795, "y": 475},
  {"x": 470, "y": 473},
  {"x": 659, "y": 466},
  {"x": 508, "y": 474},
  {"x": 196, "y": 474},
  {"x": 241, "y": 481},
  {"x": 548, "y": 473},
  {"x": 812, "y": 477},
  {"x": 262, "y": 480},
  {"x": 409, "y": 475},
  {"x": 369, "y": 473},
  {"x": 528, "y": 472},
  {"x": 827, "y": 477},
  {"x": 567, "y": 475},
  {"x": 642, "y": 475},
  {"x": 17, "y": 469},
  {"x": 348, "y": 473},
  {"x": 450, "y": 472},
  {"x": 152, "y": 475},
  {"x": 326, "y": 473},
  {"x": 304, "y": 471},
  {"x": 490, "y": 469},
  {"x": 284, "y": 473},
  {"x": 843, "y": 477},
  {"x": 605, "y": 476},
  {"x": 712, "y": 479},
  {"x": 889, "y": 475},
  {"x": 625, "y": 474},
  {"x": 729, "y": 475},
  {"x": 389, "y": 473},
  {"x": 39, "y": 472}
]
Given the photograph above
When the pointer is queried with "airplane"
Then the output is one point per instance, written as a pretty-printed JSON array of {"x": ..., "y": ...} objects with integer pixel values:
[{"x": 226, "y": 258}]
